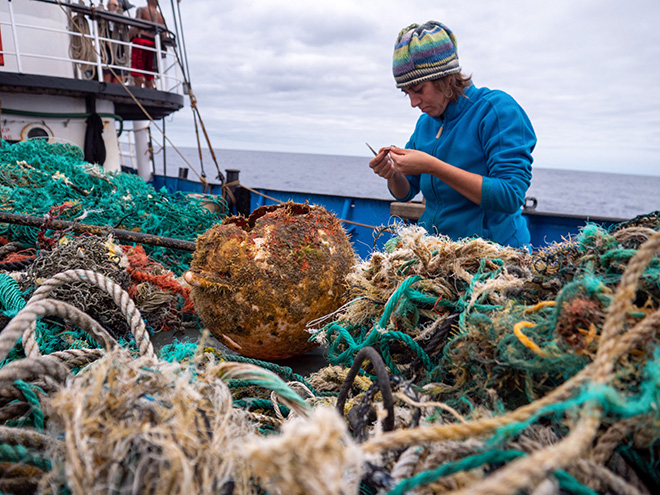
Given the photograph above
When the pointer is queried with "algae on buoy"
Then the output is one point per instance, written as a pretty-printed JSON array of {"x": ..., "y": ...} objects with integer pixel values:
[{"x": 258, "y": 281}]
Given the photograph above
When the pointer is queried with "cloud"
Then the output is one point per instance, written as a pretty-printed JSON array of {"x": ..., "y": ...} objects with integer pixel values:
[{"x": 315, "y": 77}]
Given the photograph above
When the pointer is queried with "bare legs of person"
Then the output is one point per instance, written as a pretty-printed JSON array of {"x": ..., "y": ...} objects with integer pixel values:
[{"x": 110, "y": 78}]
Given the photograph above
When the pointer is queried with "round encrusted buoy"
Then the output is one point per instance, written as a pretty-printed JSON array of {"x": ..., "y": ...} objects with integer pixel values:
[{"x": 258, "y": 281}]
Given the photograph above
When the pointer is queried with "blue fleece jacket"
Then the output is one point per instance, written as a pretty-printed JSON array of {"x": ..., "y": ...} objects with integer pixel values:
[{"x": 485, "y": 132}]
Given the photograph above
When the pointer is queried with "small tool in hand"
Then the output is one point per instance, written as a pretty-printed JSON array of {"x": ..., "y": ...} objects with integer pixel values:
[{"x": 372, "y": 150}]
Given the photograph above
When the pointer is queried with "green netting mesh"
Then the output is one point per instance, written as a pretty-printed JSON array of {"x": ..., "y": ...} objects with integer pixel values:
[{"x": 37, "y": 178}]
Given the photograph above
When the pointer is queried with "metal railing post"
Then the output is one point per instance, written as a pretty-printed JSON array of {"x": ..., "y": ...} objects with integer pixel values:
[
  {"x": 15, "y": 36},
  {"x": 159, "y": 63},
  {"x": 97, "y": 49},
  {"x": 168, "y": 74},
  {"x": 131, "y": 149}
]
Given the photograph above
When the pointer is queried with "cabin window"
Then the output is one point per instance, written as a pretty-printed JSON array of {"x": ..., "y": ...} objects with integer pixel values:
[{"x": 37, "y": 132}]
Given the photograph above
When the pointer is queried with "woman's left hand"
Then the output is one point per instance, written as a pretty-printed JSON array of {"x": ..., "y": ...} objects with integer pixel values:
[{"x": 411, "y": 162}]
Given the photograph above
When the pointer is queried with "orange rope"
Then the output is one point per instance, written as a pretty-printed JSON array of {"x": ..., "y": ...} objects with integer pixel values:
[
  {"x": 541, "y": 305},
  {"x": 139, "y": 266},
  {"x": 27, "y": 254},
  {"x": 524, "y": 339}
]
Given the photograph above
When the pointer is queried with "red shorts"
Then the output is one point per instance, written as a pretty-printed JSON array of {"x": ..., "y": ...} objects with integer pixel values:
[{"x": 143, "y": 59}]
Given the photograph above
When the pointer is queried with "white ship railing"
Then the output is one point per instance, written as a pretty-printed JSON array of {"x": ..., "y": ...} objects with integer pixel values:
[
  {"x": 167, "y": 74},
  {"x": 127, "y": 153}
]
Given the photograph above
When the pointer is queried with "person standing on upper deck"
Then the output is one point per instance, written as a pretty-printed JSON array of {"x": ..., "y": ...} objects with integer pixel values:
[
  {"x": 471, "y": 151},
  {"x": 142, "y": 59},
  {"x": 113, "y": 51}
]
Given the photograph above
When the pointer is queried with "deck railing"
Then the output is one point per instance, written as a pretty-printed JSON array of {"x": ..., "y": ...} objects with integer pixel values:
[{"x": 88, "y": 63}]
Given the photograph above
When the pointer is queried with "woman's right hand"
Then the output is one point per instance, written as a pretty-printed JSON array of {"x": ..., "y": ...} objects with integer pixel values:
[{"x": 382, "y": 164}]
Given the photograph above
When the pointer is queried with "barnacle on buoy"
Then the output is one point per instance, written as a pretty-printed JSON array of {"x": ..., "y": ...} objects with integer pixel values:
[{"x": 258, "y": 281}]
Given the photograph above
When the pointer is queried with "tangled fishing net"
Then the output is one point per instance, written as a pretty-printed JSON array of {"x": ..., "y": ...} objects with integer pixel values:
[
  {"x": 500, "y": 357},
  {"x": 37, "y": 178},
  {"x": 52, "y": 181},
  {"x": 456, "y": 367}
]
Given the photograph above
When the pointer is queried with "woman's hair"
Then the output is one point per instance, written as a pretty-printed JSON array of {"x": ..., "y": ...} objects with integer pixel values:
[{"x": 453, "y": 86}]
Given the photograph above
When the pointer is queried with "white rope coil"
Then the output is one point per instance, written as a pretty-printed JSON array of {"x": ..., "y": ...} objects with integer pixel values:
[
  {"x": 119, "y": 296},
  {"x": 28, "y": 315},
  {"x": 81, "y": 47}
]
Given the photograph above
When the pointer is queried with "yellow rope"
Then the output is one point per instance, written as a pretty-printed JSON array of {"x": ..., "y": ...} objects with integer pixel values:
[
  {"x": 541, "y": 305},
  {"x": 525, "y": 340}
]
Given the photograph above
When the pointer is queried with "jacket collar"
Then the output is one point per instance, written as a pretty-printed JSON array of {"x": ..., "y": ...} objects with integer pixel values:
[{"x": 455, "y": 109}]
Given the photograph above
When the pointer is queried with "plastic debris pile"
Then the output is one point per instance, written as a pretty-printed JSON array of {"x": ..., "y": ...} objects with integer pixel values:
[{"x": 454, "y": 367}]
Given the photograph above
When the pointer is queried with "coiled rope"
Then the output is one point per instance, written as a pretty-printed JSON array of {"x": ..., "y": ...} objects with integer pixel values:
[
  {"x": 81, "y": 46},
  {"x": 119, "y": 296},
  {"x": 28, "y": 315},
  {"x": 119, "y": 54}
]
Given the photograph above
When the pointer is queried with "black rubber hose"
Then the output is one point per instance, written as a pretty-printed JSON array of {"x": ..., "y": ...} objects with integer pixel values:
[{"x": 383, "y": 383}]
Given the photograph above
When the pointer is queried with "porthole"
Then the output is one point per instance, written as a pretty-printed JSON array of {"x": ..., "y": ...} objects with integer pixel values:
[{"x": 36, "y": 130}]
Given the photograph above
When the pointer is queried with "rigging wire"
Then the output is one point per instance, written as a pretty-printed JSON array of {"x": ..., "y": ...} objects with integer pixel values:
[
  {"x": 183, "y": 54},
  {"x": 193, "y": 99},
  {"x": 165, "y": 154},
  {"x": 182, "y": 60},
  {"x": 199, "y": 144}
]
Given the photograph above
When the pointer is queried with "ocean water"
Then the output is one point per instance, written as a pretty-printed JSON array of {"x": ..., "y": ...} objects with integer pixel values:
[{"x": 619, "y": 196}]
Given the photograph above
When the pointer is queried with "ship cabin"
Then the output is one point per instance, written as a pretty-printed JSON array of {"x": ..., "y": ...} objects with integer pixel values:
[{"x": 66, "y": 76}]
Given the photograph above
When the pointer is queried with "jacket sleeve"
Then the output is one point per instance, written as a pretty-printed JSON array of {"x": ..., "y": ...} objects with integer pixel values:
[{"x": 508, "y": 140}]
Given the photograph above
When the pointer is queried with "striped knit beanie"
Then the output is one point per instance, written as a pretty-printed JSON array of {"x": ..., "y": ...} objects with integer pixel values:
[{"x": 423, "y": 53}]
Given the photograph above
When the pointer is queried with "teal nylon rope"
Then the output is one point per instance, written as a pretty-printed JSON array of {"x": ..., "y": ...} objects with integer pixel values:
[
  {"x": 11, "y": 297},
  {"x": 280, "y": 388},
  {"x": 261, "y": 404},
  {"x": 566, "y": 481},
  {"x": 19, "y": 454},
  {"x": 394, "y": 299},
  {"x": 471, "y": 462},
  {"x": 374, "y": 335},
  {"x": 606, "y": 396},
  {"x": 408, "y": 340},
  {"x": 570, "y": 484},
  {"x": 284, "y": 371},
  {"x": 32, "y": 399}
]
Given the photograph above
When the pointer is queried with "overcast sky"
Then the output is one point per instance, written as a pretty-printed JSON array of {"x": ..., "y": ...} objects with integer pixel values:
[{"x": 315, "y": 76}]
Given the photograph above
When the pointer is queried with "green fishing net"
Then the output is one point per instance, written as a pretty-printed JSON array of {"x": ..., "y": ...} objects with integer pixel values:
[
  {"x": 53, "y": 181},
  {"x": 37, "y": 178}
]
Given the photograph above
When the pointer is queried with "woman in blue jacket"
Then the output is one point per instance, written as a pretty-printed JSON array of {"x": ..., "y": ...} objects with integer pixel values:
[{"x": 470, "y": 153}]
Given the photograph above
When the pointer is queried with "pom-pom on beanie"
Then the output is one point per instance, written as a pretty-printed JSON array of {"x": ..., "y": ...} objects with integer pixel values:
[{"x": 423, "y": 53}]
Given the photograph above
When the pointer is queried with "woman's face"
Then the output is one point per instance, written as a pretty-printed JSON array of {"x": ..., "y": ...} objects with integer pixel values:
[{"x": 427, "y": 97}]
